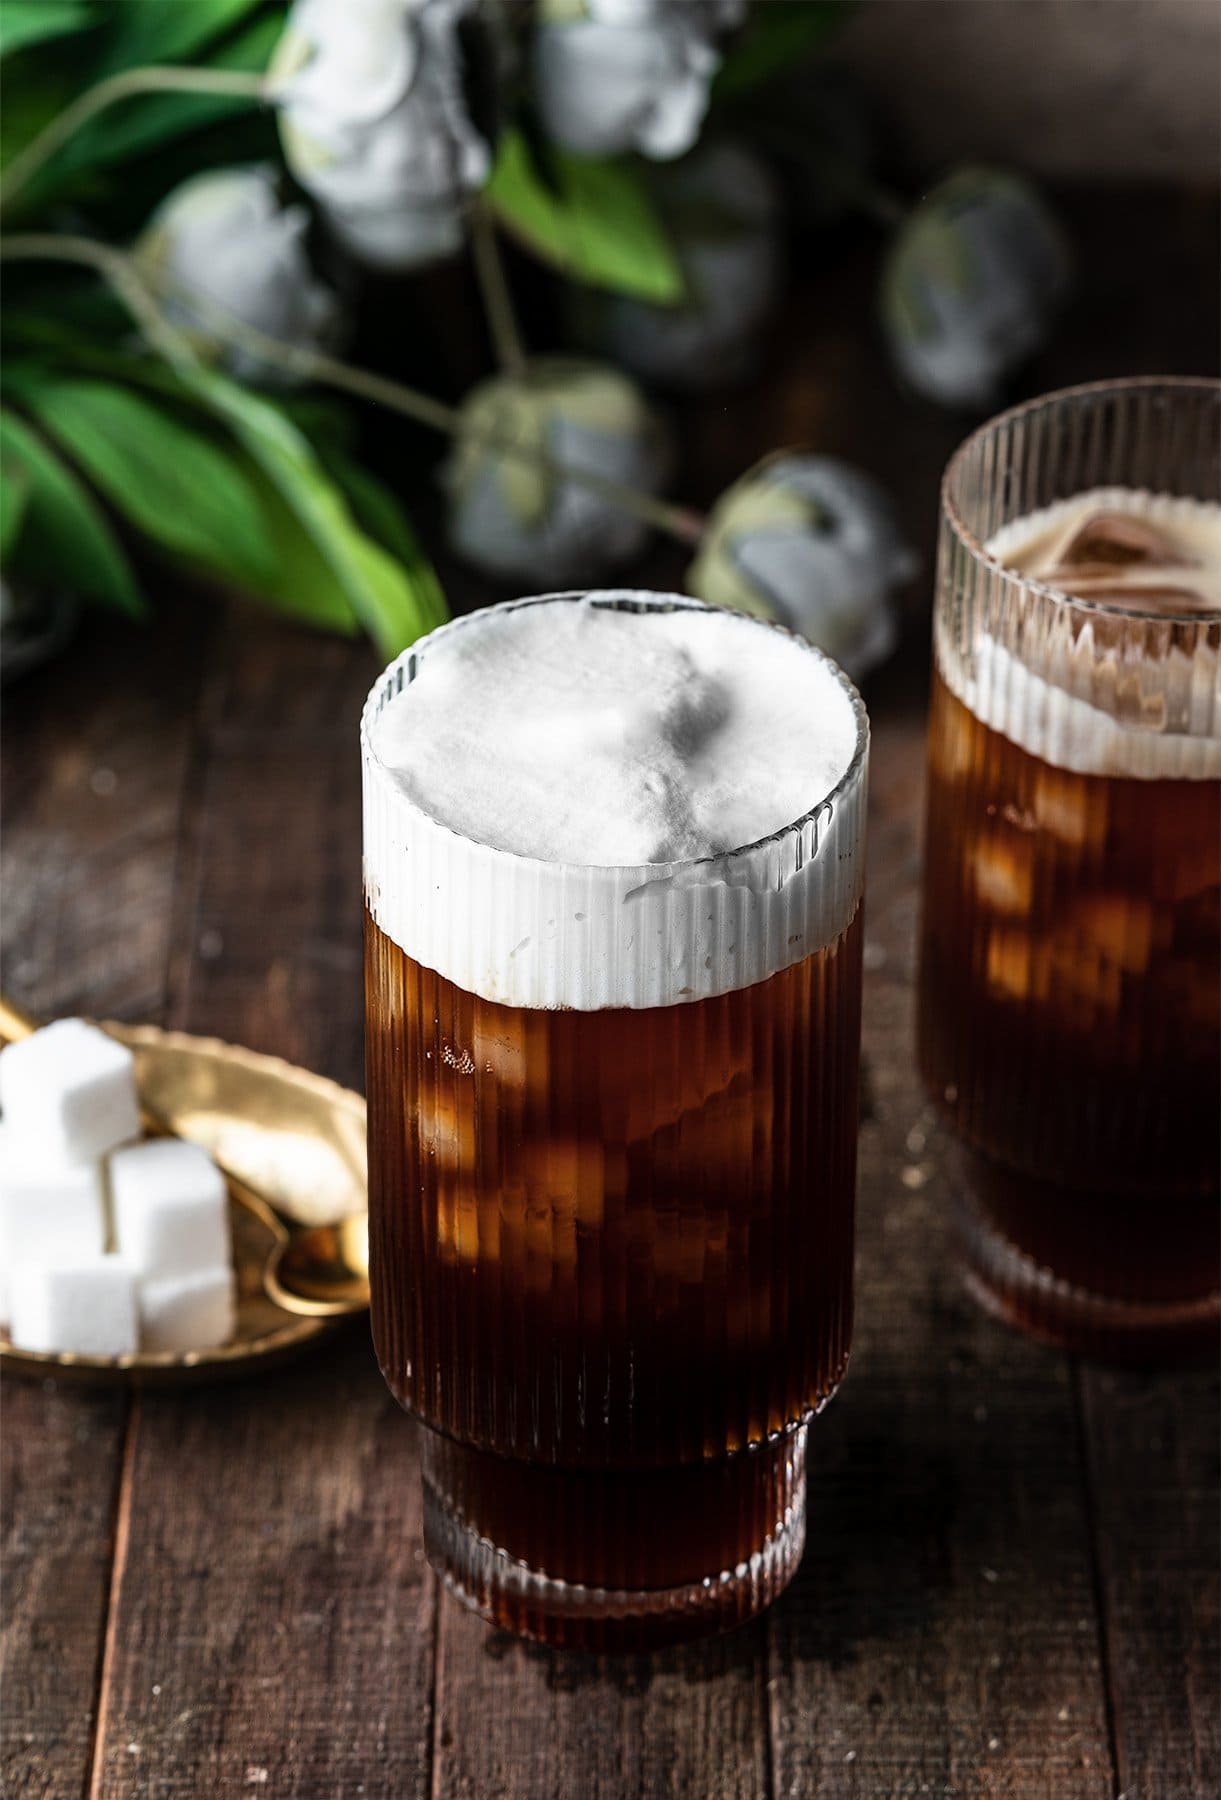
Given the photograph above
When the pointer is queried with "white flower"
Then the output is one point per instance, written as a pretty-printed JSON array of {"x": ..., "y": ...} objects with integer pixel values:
[
  {"x": 614, "y": 75},
  {"x": 225, "y": 236},
  {"x": 971, "y": 284},
  {"x": 512, "y": 517},
  {"x": 813, "y": 542},
  {"x": 722, "y": 209},
  {"x": 375, "y": 125}
]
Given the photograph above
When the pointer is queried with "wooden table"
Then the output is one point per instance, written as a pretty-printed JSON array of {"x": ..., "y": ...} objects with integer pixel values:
[{"x": 1010, "y": 1586}]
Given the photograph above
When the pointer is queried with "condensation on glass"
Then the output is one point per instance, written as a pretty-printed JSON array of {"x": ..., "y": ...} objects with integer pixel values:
[
  {"x": 611, "y": 1245},
  {"x": 1070, "y": 1004}
]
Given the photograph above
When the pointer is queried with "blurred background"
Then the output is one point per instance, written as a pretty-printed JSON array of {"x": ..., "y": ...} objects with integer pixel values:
[{"x": 322, "y": 321}]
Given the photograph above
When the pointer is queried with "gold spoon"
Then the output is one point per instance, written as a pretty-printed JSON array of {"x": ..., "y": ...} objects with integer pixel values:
[{"x": 318, "y": 1271}]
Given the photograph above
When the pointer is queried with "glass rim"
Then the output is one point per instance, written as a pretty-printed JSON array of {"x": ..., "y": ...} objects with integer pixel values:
[
  {"x": 627, "y": 600},
  {"x": 1029, "y": 584}
]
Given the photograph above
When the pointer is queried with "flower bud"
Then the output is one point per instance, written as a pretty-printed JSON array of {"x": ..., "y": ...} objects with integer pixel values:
[
  {"x": 510, "y": 515},
  {"x": 971, "y": 284},
  {"x": 615, "y": 75},
  {"x": 722, "y": 210},
  {"x": 375, "y": 122},
  {"x": 225, "y": 236},
  {"x": 814, "y": 543}
]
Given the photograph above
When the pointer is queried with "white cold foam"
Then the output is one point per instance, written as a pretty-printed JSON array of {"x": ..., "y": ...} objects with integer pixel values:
[
  {"x": 552, "y": 802},
  {"x": 1051, "y": 710},
  {"x": 577, "y": 734}
]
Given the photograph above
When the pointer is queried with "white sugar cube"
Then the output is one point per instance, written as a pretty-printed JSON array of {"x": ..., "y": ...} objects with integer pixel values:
[
  {"x": 171, "y": 1210},
  {"x": 187, "y": 1312},
  {"x": 87, "y": 1306},
  {"x": 69, "y": 1091},
  {"x": 49, "y": 1212}
]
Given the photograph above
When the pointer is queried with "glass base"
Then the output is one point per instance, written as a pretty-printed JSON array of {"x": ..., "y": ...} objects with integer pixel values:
[
  {"x": 589, "y": 1525},
  {"x": 1015, "y": 1288}
]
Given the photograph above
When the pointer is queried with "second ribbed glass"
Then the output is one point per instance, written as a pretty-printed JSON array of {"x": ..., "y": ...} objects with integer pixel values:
[
  {"x": 611, "y": 1245},
  {"x": 1070, "y": 996}
]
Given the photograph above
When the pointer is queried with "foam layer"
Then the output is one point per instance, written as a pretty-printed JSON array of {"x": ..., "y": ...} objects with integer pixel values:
[
  {"x": 556, "y": 792},
  {"x": 1081, "y": 709}
]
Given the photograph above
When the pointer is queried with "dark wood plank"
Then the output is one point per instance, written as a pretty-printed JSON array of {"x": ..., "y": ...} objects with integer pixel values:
[
  {"x": 941, "y": 1637},
  {"x": 269, "y": 941},
  {"x": 97, "y": 762},
  {"x": 62, "y": 1452},
  {"x": 518, "y": 1719},
  {"x": 273, "y": 1610},
  {"x": 1153, "y": 1451}
]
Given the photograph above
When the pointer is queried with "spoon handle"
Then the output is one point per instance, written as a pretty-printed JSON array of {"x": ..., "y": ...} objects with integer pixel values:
[{"x": 15, "y": 1024}]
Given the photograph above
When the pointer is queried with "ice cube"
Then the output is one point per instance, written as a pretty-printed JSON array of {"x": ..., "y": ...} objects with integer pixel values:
[
  {"x": 171, "y": 1209},
  {"x": 467, "y": 1225},
  {"x": 188, "y": 1312},
  {"x": 1111, "y": 540},
  {"x": 1117, "y": 930},
  {"x": 446, "y": 1126},
  {"x": 1070, "y": 807},
  {"x": 87, "y": 1306},
  {"x": 69, "y": 1090},
  {"x": 1002, "y": 869},
  {"x": 1010, "y": 966},
  {"x": 48, "y": 1212}
]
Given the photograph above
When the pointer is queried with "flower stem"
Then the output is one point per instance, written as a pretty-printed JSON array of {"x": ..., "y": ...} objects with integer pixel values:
[
  {"x": 854, "y": 185},
  {"x": 123, "y": 273},
  {"x": 118, "y": 269},
  {"x": 237, "y": 83},
  {"x": 497, "y": 296}
]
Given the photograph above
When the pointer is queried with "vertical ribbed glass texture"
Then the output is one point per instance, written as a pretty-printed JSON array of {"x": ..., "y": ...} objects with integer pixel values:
[
  {"x": 1070, "y": 1007},
  {"x": 611, "y": 1254}
]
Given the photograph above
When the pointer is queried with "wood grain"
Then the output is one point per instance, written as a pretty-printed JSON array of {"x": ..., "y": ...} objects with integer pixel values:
[
  {"x": 95, "y": 771},
  {"x": 61, "y": 1457},
  {"x": 1152, "y": 1445},
  {"x": 516, "y": 1719},
  {"x": 274, "y": 1610}
]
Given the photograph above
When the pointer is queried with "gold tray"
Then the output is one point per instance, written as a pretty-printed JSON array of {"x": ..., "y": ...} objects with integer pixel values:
[{"x": 296, "y": 1138}]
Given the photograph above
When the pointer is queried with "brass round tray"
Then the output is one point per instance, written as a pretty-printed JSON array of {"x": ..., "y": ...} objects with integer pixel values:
[{"x": 297, "y": 1139}]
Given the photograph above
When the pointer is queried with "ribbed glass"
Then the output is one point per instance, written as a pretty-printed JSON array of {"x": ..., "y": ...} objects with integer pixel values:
[
  {"x": 611, "y": 1247},
  {"x": 1070, "y": 1005}
]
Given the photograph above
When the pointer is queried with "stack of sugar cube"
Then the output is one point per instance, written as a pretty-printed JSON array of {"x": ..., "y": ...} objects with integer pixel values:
[{"x": 107, "y": 1243}]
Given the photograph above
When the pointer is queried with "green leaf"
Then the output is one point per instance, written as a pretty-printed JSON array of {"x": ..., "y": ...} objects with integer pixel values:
[
  {"x": 176, "y": 486},
  {"x": 64, "y": 535},
  {"x": 24, "y": 22},
  {"x": 135, "y": 126},
  {"x": 29, "y": 106},
  {"x": 378, "y": 590},
  {"x": 14, "y": 498},
  {"x": 775, "y": 38},
  {"x": 376, "y": 509},
  {"x": 162, "y": 31},
  {"x": 594, "y": 221}
]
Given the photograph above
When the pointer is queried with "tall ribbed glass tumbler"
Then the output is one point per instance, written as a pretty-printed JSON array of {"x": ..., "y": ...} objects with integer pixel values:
[
  {"x": 1070, "y": 993},
  {"x": 612, "y": 1227}
]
